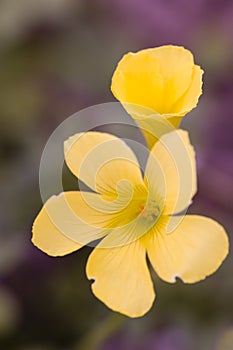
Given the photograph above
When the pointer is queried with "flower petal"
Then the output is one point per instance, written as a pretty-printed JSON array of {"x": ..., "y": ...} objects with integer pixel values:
[
  {"x": 137, "y": 80},
  {"x": 122, "y": 279},
  {"x": 193, "y": 251},
  {"x": 49, "y": 239},
  {"x": 176, "y": 68},
  {"x": 153, "y": 78},
  {"x": 67, "y": 222},
  {"x": 190, "y": 98},
  {"x": 102, "y": 161},
  {"x": 171, "y": 171}
]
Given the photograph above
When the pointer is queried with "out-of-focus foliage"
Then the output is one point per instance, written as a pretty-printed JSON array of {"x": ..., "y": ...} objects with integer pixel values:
[{"x": 57, "y": 57}]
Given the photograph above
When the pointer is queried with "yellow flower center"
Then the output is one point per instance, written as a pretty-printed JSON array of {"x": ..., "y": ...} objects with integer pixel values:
[{"x": 151, "y": 211}]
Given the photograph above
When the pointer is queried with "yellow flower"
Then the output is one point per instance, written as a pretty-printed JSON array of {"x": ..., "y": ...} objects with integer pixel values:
[
  {"x": 158, "y": 81},
  {"x": 131, "y": 217}
]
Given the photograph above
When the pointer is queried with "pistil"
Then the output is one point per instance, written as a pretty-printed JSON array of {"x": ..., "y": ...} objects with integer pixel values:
[{"x": 150, "y": 211}]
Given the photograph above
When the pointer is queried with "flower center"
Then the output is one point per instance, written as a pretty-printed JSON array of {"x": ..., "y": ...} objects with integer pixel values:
[{"x": 151, "y": 211}]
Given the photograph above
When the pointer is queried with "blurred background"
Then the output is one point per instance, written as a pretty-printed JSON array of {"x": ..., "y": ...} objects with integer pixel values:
[{"x": 56, "y": 58}]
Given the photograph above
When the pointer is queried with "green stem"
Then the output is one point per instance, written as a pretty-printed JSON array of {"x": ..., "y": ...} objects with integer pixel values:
[{"x": 99, "y": 334}]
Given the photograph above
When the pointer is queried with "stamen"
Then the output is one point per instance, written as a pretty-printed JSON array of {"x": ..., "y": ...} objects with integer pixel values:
[{"x": 150, "y": 211}]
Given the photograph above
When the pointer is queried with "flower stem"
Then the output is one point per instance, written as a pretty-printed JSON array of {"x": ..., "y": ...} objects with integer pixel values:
[{"x": 100, "y": 333}]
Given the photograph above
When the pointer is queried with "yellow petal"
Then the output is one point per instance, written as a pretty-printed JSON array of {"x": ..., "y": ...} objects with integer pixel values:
[
  {"x": 176, "y": 68},
  {"x": 121, "y": 279},
  {"x": 193, "y": 251},
  {"x": 48, "y": 238},
  {"x": 151, "y": 81},
  {"x": 67, "y": 222},
  {"x": 190, "y": 98},
  {"x": 138, "y": 80},
  {"x": 102, "y": 161},
  {"x": 171, "y": 171}
]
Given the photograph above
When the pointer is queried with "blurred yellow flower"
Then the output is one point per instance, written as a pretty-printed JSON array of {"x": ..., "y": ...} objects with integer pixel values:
[
  {"x": 131, "y": 216},
  {"x": 158, "y": 81}
]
